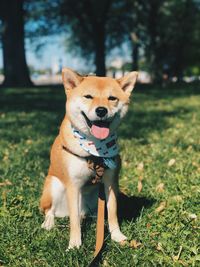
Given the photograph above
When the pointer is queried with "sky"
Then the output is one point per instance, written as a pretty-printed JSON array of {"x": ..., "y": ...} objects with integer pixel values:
[
  {"x": 54, "y": 55},
  {"x": 51, "y": 55}
]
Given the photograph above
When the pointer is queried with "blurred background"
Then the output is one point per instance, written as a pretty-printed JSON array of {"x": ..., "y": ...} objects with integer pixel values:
[{"x": 161, "y": 38}]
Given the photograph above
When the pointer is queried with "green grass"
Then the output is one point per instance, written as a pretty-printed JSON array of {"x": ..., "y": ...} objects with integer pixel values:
[{"x": 162, "y": 124}]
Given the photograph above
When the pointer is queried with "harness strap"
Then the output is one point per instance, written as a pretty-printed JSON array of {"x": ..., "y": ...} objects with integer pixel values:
[{"x": 96, "y": 164}]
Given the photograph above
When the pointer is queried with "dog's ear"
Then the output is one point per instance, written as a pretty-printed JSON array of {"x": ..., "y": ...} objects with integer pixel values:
[
  {"x": 128, "y": 81},
  {"x": 70, "y": 78}
]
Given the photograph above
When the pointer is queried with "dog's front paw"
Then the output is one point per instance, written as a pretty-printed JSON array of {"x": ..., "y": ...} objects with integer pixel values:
[
  {"x": 117, "y": 236},
  {"x": 74, "y": 243}
]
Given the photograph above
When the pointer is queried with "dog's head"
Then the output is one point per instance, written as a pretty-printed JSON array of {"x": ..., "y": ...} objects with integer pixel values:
[{"x": 96, "y": 105}]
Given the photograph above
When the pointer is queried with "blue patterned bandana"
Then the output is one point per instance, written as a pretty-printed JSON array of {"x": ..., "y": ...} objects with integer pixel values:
[{"x": 105, "y": 148}]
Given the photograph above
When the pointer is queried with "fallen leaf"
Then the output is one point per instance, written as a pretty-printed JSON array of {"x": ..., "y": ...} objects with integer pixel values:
[
  {"x": 135, "y": 244},
  {"x": 189, "y": 148},
  {"x": 175, "y": 149},
  {"x": 183, "y": 263},
  {"x": 6, "y": 182},
  {"x": 192, "y": 216},
  {"x": 176, "y": 258},
  {"x": 105, "y": 263},
  {"x": 196, "y": 227},
  {"x": 159, "y": 246},
  {"x": 5, "y": 158},
  {"x": 154, "y": 234},
  {"x": 125, "y": 163},
  {"x": 124, "y": 243},
  {"x": 140, "y": 166},
  {"x": 160, "y": 187},
  {"x": 148, "y": 225},
  {"x": 171, "y": 162},
  {"x": 195, "y": 164},
  {"x": 177, "y": 198},
  {"x": 161, "y": 207},
  {"x": 139, "y": 187}
]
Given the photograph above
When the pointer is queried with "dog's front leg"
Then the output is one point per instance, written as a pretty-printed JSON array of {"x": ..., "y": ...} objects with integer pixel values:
[
  {"x": 73, "y": 195},
  {"x": 111, "y": 190}
]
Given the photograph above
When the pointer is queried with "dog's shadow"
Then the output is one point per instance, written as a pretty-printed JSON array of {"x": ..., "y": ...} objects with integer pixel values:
[{"x": 130, "y": 207}]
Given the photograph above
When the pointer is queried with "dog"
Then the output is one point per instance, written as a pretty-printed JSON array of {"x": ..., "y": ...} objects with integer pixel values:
[{"x": 94, "y": 109}]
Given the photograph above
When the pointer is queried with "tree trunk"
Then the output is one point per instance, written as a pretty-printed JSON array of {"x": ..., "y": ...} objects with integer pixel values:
[
  {"x": 15, "y": 67},
  {"x": 135, "y": 51},
  {"x": 100, "y": 52},
  {"x": 153, "y": 28}
]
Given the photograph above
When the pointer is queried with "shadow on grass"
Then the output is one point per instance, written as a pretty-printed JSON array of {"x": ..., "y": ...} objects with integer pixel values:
[
  {"x": 32, "y": 99},
  {"x": 139, "y": 124},
  {"x": 129, "y": 208},
  {"x": 36, "y": 112},
  {"x": 52, "y": 98},
  {"x": 51, "y": 101}
]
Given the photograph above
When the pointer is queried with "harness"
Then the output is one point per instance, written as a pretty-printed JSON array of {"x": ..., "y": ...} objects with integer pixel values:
[{"x": 96, "y": 164}]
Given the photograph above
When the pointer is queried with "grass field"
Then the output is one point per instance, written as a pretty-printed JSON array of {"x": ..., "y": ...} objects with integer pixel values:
[{"x": 160, "y": 149}]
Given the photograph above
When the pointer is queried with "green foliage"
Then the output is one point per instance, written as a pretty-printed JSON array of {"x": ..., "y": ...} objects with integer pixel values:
[
  {"x": 166, "y": 31},
  {"x": 171, "y": 35},
  {"x": 161, "y": 125},
  {"x": 85, "y": 18},
  {"x": 165, "y": 34}
]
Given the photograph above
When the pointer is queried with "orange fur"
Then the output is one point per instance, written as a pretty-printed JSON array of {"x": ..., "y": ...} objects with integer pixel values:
[
  {"x": 61, "y": 161},
  {"x": 46, "y": 199}
]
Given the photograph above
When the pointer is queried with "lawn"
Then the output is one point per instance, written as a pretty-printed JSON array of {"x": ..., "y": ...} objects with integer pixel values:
[{"x": 160, "y": 149}]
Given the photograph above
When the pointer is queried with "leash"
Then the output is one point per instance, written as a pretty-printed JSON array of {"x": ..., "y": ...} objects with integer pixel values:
[
  {"x": 100, "y": 220},
  {"x": 99, "y": 224}
]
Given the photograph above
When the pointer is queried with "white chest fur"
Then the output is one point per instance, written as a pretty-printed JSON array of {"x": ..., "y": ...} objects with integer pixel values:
[{"x": 78, "y": 170}]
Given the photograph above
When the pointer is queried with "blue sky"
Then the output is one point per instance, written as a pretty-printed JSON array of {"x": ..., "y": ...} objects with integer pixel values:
[
  {"x": 54, "y": 51},
  {"x": 50, "y": 55}
]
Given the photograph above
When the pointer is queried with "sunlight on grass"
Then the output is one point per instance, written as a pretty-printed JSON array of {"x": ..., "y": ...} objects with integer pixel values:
[{"x": 160, "y": 149}]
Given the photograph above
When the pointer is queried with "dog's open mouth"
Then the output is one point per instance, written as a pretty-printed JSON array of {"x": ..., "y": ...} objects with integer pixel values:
[{"x": 99, "y": 129}]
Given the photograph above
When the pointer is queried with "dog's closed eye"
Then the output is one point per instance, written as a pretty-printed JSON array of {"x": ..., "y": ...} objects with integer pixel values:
[
  {"x": 88, "y": 96},
  {"x": 112, "y": 98}
]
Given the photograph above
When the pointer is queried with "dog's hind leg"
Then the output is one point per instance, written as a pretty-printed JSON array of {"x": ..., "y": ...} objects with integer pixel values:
[
  {"x": 53, "y": 201},
  {"x": 46, "y": 204},
  {"x": 48, "y": 223}
]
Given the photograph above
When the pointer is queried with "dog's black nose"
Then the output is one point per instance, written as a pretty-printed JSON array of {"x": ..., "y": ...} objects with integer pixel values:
[{"x": 101, "y": 111}]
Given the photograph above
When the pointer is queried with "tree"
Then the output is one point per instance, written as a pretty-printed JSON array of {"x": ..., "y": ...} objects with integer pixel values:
[
  {"x": 14, "y": 61},
  {"x": 182, "y": 37},
  {"x": 151, "y": 24},
  {"x": 95, "y": 26},
  {"x": 171, "y": 36},
  {"x": 87, "y": 20}
]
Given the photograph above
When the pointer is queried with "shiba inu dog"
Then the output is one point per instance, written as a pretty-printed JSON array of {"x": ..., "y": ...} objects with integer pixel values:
[{"x": 94, "y": 109}]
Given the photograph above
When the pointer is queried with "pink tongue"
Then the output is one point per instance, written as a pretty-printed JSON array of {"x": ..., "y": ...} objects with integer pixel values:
[{"x": 99, "y": 132}]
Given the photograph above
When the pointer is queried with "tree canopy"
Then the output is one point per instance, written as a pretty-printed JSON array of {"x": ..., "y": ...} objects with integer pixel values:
[{"x": 166, "y": 33}]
